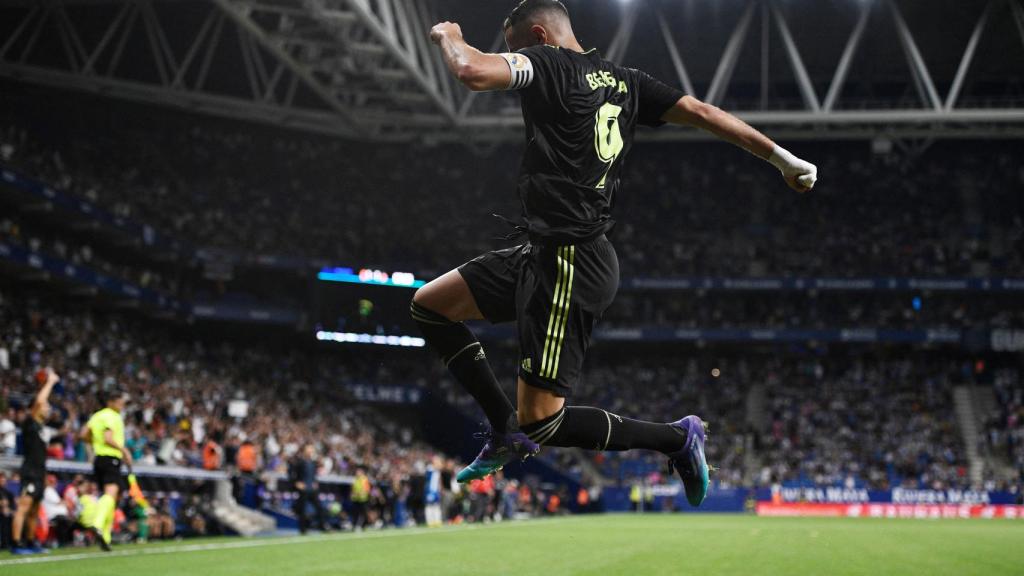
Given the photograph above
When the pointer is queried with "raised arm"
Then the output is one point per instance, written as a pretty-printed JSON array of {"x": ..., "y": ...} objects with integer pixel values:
[
  {"x": 799, "y": 174},
  {"x": 38, "y": 405},
  {"x": 476, "y": 70}
]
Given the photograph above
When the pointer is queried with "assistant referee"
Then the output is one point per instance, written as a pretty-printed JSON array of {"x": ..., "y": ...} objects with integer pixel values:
[{"x": 105, "y": 431}]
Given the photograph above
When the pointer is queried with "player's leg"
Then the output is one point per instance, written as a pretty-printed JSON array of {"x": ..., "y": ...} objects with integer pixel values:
[
  {"x": 484, "y": 288},
  {"x": 299, "y": 509},
  {"x": 440, "y": 309},
  {"x": 321, "y": 514},
  {"x": 450, "y": 297},
  {"x": 168, "y": 530},
  {"x": 359, "y": 518},
  {"x": 143, "y": 524},
  {"x": 559, "y": 311},
  {"x": 31, "y": 522},
  {"x": 105, "y": 506},
  {"x": 546, "y": 420},
  {"x": 544, "y": 417},
  {"x": 108, "y": 525},
  {"x": 157, "y": 526},
  {"x": 24, "y": 504}
]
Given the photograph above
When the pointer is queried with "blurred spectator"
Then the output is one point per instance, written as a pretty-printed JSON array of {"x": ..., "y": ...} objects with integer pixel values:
[
  {"x": 161, "y": 524},
  {"x": 56, "y": 511},
  {"x": 7, "y": 508},
  {"x": 303, "y": 472},
  {"x": 8, "y": 433},
  {"x": 212, "y": 452},
  {"x": 360, "y": 497},
  {"x": 190, "y": 515}
]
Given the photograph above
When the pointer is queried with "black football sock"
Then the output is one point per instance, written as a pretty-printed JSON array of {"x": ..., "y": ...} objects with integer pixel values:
[
  {"x": 465, "y": 358},
  {"x": 596, "y": 429}
]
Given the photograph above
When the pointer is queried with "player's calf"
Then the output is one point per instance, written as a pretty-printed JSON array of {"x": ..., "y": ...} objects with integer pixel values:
[
  {"x": 464, "y": 356},
  {"x": 595, "y": 429}
]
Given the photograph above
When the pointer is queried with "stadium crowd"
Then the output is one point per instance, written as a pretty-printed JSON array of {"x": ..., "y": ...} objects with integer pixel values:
[
  {"x": 1004, "y": 430},
  {"x": 692, "y": 309},
  {"x": 271, "y": 414},
  {"x": 686, "y": 210},
  {"x": 774, "y": 310},
  {"x": 181, "y": 392},
  {"x": 168, "y": 423},
  {"x": 688, "y": 310},
  {"x": 664, "y": 388},
  {"x": 875, "y": 423},
  {"x": 823, "y": 419},
  {"x": 180, "y": 414},
  {"x": 14, "y": 230}
]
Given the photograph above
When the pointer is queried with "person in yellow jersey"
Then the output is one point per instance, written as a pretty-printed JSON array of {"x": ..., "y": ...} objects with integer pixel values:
[
  {"x": 360, "y": 497},
  {"x": 87, "y": 505},
  {"x": 105, "y": 432}
]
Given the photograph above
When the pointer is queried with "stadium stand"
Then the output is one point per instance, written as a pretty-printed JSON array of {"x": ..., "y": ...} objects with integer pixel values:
[
  {"x": 788, "y": 407},
  {"x": 940, "y": 224},
  {"x": 1005, "y": 423},
  {"x": 181, "y": 392}
]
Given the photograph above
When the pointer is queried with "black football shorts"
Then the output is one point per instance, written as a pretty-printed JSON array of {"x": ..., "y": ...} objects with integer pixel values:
[
  {"x": 33, "y": 487},
  {"x": 107, "y": 470},
  {"x": 555, "y": 294}
]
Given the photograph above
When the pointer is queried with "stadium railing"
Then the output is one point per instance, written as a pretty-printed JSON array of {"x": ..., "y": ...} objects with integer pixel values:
[{"x": 13, "y": 463}]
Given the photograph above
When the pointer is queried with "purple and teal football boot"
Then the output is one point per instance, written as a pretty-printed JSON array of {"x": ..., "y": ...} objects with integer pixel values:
[
  {"x": 499, "y": 450},
  {"x": 689, "y": 461}
]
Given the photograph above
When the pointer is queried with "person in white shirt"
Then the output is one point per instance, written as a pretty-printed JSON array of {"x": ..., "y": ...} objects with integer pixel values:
[
  {"x": 56, "y": 512},
  {"x": 9, "y": 432},
  {"x": 53, "y": 504}
]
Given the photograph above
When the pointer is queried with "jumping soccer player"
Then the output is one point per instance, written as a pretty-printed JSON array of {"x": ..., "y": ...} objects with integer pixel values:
[
  {"x": 105, "y": 430},
  {"x": 581, "y": 112},
  {"x": 33, "y": 466}
]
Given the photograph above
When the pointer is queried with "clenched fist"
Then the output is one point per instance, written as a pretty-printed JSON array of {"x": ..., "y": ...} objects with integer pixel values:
[
  {"x": 444, "y": 29},
  {"x": 799, "y": 174}
]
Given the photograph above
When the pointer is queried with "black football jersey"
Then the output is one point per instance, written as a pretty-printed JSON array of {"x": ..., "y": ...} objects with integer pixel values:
[
  {"x": 34, "y": 445},
  {"x": 581, "y": 112}
]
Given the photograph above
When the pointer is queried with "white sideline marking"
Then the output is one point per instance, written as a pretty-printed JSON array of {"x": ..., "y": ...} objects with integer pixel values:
[{"x": 263, "y": 542}]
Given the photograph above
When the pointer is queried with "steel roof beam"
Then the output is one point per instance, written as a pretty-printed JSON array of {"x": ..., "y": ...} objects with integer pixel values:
[{"x": 726, "y": 66}]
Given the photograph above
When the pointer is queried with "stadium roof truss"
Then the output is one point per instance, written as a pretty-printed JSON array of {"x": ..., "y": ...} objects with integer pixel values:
[
  {"x": 358, "y": 68},
  {"x": 365, "y": 69}
]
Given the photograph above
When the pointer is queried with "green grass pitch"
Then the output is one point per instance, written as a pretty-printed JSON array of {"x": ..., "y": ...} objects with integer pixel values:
[{"x": 678, "y": 544}]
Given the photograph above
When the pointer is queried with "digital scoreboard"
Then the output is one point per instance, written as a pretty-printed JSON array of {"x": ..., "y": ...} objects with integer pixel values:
[{"x": 366, "y": 306}]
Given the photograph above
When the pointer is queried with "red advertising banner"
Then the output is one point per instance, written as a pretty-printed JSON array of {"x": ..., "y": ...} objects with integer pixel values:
[{"x": 923, "y": 511}]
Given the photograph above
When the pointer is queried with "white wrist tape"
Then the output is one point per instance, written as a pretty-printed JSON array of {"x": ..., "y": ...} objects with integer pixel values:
[
  {"x": 521, "y": 68},
  {"x": 783, "y": 159},
  {"x": 806, "y": 173}
]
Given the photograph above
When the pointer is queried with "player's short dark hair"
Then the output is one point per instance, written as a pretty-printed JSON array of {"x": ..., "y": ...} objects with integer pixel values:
[
  {"x": 110, "y": 394},
  {"x": 528, "y": 8}
]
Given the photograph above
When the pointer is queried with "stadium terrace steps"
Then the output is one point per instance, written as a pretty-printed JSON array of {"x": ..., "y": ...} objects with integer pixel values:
[
  {"x": 243, "y": 520},
  {"x": 588, "y": 467},
  {"x": 985, "y": 404},
  {"x": 968, "y": 420},
  {"x": 757, "y": 417},
  {"x": 751, "y": 460}
]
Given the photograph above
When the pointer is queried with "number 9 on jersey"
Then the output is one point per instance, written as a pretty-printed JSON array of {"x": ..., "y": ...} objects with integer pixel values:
[{"x": 607, "y": 137}]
